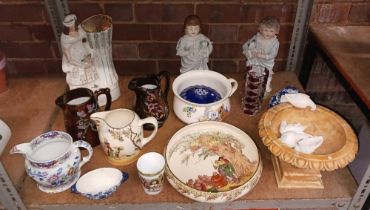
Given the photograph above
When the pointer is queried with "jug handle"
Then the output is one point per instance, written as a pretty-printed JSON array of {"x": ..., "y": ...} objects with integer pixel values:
[
  {"x": 166, "y": 75},
  {"x": 87, "y": 146},
  {"x": 150, "y": 120},
  {"x": 105, "y": 91},
  {"x": 132, "y": 85},
  {"x": 234, "y": 85}
]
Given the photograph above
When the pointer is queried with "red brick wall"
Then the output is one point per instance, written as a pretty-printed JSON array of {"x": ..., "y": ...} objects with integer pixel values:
[
  {"x": 325, "y": 89},
  {"x": 341, "y": 12},
  {"x": 145, "y": 32}
]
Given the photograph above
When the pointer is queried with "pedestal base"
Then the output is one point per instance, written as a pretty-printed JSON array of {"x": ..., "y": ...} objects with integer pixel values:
[
  {"x": 288, "y": 176},
  {"x": 124, "y": 161}
]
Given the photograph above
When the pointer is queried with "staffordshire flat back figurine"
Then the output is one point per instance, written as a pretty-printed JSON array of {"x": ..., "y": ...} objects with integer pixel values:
[
  {"x": 77, "y": 60},
  {"x": 194, "y": 48},
  {"x": 263, "y": 47}
]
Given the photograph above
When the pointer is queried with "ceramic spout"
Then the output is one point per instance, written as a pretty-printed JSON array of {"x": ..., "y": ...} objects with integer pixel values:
[{"x": 24, "y": 149}]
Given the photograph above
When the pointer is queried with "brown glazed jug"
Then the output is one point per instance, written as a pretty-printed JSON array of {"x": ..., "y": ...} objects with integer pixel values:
[
  {"x": 77, "y": 105},
  {"x": 151, "y": 98}
]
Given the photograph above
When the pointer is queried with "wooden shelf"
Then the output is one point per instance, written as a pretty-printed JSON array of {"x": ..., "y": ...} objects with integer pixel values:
[
  {"x": 341, "y": 54},
  {"x": 33, "y": 111}
]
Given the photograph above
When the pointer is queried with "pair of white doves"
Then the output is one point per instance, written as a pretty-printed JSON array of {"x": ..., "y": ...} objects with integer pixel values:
[{"x": 293, "y": 135}]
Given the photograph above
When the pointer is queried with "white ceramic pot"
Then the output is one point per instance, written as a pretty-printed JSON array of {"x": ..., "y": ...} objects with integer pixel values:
[{"x": 190, "y": 112}]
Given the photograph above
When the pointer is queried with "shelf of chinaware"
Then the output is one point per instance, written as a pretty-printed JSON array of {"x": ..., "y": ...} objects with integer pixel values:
[{"x": 29, "y": 108}]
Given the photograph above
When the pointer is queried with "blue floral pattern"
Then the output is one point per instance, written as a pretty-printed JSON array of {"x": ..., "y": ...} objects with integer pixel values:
[
  {"x": 189, "y": 110},
  {"x": 102, "y": 194},
  {"x": 54, "y": 178},
  {"x": 275, "y": 99}
]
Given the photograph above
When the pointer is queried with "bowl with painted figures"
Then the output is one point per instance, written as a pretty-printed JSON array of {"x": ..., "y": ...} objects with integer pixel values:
[{"x": 212, "y": 162}]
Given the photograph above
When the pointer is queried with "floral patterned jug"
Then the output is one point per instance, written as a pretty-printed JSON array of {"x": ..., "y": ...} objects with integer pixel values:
[
  {"x": 151, "y": 98},
  {"x": 53, "y": 160}
]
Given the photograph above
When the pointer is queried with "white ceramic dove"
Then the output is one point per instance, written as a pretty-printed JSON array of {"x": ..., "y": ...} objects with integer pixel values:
[
  {"x": 308, "y": 145},
  {"x": 291, "y": 138},
  {"x": 299, "y": 100},
  {"x": 284, "y": 127}
]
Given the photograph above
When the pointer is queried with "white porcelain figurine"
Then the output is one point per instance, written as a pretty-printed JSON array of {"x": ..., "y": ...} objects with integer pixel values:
[
  {"x": 263, "y": 47},
  {"x": 299, "y": 100},
  {"x": 296, "y": 127},
  {"x": 87, "y": 54},
  {"x": 293, "y": 136},
  {"x": 194, "y": 48},
  {"x": 309, "y": 145},
  {"x": 77, "y": 60}
]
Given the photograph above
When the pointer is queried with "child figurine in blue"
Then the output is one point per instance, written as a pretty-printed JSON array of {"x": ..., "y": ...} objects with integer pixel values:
[
  {"x": 194, "y": 48},
  {"x": 263, "y": 47}
]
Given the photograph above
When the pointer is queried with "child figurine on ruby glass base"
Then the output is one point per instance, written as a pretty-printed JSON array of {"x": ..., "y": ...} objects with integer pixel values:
[
  {"x": 263, "y": 47},
  {"x": 260, "y": 52},
  {"x": 77, "y": 60},
  {"x": 194, "y": 48}
]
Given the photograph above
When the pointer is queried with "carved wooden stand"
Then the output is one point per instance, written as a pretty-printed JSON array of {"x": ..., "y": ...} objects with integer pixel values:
[{"x": 288, "y": 176}]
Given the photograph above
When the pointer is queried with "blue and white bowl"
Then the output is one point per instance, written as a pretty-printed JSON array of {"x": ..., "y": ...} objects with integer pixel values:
[
  {"x": 275, "y": 99},
  {"x": 99, "y": 183}
]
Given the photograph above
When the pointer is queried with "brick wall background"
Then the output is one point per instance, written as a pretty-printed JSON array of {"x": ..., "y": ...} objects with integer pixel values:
[
  {"x": 146, "y": 31},
  {"x": 325, "y": 89},
  {"x": 323, "y": 86}
]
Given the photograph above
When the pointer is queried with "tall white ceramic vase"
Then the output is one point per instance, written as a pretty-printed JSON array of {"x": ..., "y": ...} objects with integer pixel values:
[{"x": 98, "y": 30}]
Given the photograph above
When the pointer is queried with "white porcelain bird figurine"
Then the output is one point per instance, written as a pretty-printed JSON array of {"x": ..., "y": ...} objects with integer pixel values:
[
  {"x": 297, "y": 127},
  {"x": 299, "y": 100},
  {"x": 309, "y": 145},
  {"x": 293, "y": 136}
]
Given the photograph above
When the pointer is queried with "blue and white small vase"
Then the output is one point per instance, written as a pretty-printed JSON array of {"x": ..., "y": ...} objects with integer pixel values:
[{"x": 275, "y": 99}]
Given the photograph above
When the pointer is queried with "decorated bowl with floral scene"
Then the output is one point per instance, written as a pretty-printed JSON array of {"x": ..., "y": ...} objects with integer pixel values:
[{"x": 212, "y": 162}]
